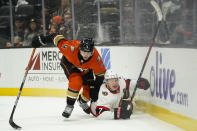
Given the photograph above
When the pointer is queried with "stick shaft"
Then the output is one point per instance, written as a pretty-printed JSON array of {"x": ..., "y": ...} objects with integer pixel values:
[
  {"x": 147, "y": 56},
  {"x": 159, "y": 17},
  {"x": 20, "y": 90}
]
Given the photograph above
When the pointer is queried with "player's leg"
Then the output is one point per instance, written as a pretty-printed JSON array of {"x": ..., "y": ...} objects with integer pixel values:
[
  {"x": 84, "y": 98},
  {"x": 88, "y": 80},
  {"x": 75, "y": 84}
]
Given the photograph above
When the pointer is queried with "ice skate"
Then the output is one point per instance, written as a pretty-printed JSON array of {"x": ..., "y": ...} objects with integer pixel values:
[
  {"x": 67, "y": 111},
  {"x": 84, "y": 105}
]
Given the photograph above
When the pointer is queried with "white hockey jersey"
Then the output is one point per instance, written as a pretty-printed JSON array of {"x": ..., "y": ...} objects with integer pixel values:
[{"x": 108, "y": 100}]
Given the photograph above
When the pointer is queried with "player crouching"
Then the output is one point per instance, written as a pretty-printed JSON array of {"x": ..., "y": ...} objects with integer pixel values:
[{"x": 114, "y": 96}]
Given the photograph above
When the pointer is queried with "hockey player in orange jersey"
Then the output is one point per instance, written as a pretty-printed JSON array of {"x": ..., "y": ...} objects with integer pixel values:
[{"x": 81, "y": 62}]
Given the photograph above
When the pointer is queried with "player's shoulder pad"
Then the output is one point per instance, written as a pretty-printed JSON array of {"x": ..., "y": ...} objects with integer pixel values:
[
  {"x": 99, "y": 60},
  {"x": 57, "y": 38},
  {"x": 97, "y": 56},
  {"x": 74, "y": 44}
]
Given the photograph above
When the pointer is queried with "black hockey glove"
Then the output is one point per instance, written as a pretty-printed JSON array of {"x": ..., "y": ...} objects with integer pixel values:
[
  {"x": 94, "y": 90},
  {"x": 143, "y": 84},
  {"x": 124, "y": 111},
  {"x": 88, "y": 79},
  {"x": 42, "y": 40},
  {"x": 126, "y": 93}
]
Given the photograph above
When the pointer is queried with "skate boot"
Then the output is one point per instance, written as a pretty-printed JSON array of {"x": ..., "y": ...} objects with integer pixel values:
[
  {"x": 83, "y": 104},
  {"x": 67, "y": 111}
]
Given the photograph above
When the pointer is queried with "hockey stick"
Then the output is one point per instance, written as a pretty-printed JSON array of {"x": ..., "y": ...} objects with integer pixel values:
[
  {"x": 159, "y": 16},
  {"x": 165, "y": 10},
  {"x": 19, "y": 93},
  {"x": 164, "y": 35}
]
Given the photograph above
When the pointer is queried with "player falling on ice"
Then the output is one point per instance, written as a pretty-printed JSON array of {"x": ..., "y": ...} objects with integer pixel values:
[
  {"x": 112, "y": 90},
  {"x": 80, "y": 60}
]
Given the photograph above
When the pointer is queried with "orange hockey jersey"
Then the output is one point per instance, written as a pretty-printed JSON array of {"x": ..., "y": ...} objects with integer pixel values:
[{"x": 70, "y": 50}]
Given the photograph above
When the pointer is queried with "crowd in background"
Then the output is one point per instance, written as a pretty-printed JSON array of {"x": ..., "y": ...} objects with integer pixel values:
[
  {"x": 28, "y": 21},
  {"x": 135, "y": 24}
]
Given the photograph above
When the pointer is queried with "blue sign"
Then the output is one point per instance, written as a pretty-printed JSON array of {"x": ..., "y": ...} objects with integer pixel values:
[{"x": 105, "y": 55}]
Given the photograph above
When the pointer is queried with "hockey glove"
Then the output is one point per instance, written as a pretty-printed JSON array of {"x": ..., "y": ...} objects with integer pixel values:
[
  {"x": 42, "y": 40},
  {"x": 88, "y": 79},
  {"x": 126, "y": 93},
  {"x": 143, "y": 84},
  {"x": 94, "y": 90},
  {"x": 124, "y": 111},
  {"x": 94, "y": 93}
]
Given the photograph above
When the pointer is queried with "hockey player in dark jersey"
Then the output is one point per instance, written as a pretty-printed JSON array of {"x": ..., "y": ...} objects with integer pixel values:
[{"x": 80, "y": 61}]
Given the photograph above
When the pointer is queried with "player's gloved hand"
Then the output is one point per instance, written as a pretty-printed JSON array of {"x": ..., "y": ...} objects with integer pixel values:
[
  {"x": 94, "y": 91},
  {"x": 126, "y": 93},
  {"x": 41, "y": 40},
  {"x": 143, "y": 84},
  {"x": 88, "y": 79},
  {"x": 38, "y": 41},
  {"x": 124, "y": 111}
]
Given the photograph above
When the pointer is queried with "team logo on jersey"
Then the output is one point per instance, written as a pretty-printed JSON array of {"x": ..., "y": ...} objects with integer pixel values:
[
  {"x": 98, "y": 59},
  {"x": 105, "y": 93},
  {"x": 105, "y": 55},
  {"x": 64, "y": 46},
  {"x": 72, "y": 48}
]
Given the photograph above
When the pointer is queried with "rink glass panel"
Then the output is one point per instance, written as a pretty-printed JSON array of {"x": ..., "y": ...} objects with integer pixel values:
[{"x": 109, "y": 22}]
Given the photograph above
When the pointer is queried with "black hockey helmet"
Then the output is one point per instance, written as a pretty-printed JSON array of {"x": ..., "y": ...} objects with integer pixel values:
[{"x": 87, "y": 45}]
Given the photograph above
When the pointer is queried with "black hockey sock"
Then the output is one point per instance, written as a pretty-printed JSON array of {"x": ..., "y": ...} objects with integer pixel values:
[{"x": 70, "y": 101}]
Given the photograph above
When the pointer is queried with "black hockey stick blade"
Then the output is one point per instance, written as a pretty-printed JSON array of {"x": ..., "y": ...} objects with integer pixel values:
[
  {"x": 15, "y": 126},
  {"x": 13, "y": 110}
]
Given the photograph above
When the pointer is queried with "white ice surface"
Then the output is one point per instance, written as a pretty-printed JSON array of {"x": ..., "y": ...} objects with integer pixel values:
[{"x": 44, "y": 114}]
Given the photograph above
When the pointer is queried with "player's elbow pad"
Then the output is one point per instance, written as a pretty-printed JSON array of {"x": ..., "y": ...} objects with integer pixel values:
[{"x": 57, "y": 39}]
